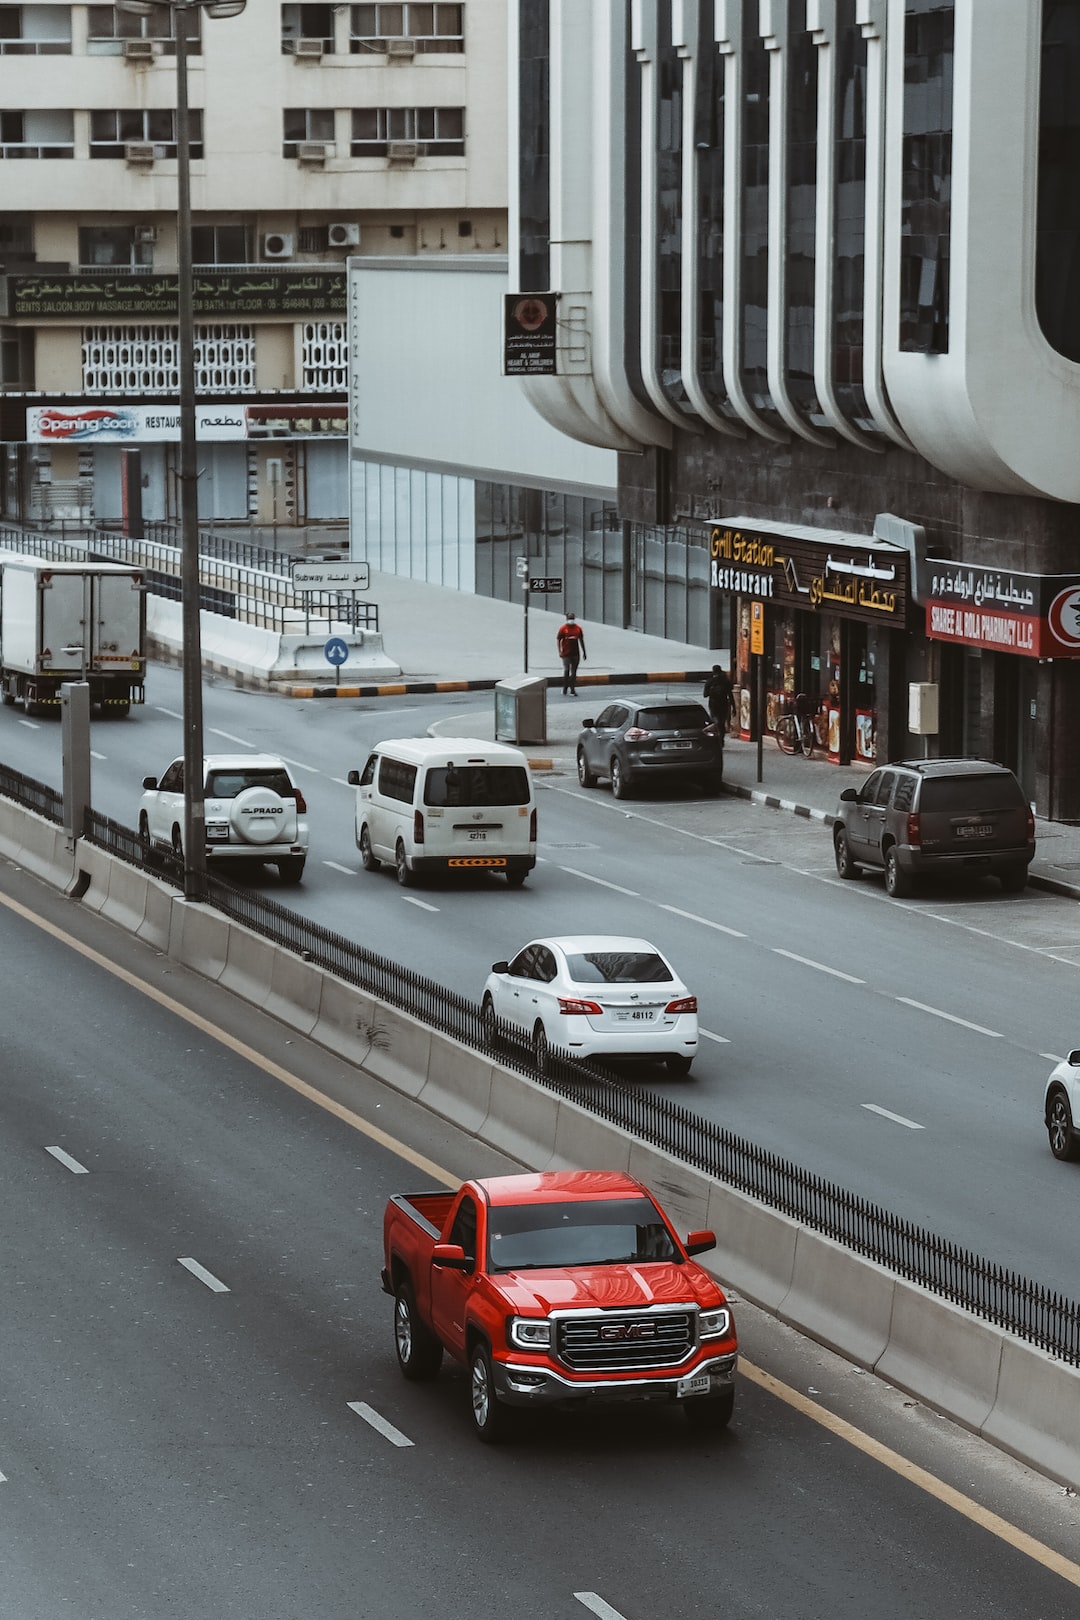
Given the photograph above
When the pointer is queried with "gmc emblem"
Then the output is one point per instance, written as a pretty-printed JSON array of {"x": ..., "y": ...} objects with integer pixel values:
[{"x": 613, "y": 1331}]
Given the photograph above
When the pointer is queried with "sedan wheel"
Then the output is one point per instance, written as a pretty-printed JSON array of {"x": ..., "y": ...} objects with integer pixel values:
[
  {"x": 541, "y": 1049},
  {"x": 1063, "y": 1143},
  {"x": 490, "y": 1022}
]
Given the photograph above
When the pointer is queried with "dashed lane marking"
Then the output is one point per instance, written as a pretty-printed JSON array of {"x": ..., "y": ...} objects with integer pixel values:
[
  {"x": 897, "y": 1119},
  {"x": 965, "y": 1023},
  {"x": 215, "y": 1284},
  {"x": 411, "y": 900},
  {"x": 349, "y": 871},
  {"x": 808, "y": 961},
  {"x": 73, "y": 1165},
  {"x": 706, "y": 922},
  {"x": 387, "y": 1430},
  {"x": 587, "y": 877}
]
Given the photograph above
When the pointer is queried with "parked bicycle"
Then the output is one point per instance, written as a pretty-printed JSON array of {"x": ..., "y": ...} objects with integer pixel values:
[{"x": 795, "y": 733}]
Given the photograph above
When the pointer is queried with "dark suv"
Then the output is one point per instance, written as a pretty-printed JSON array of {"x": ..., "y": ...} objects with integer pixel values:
[
  {"x": 936, "y": 815},
  {"x": 629, "y": 742}
]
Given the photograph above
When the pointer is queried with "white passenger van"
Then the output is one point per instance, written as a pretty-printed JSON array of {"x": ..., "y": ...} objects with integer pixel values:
[{"x": 446, "y": 804}]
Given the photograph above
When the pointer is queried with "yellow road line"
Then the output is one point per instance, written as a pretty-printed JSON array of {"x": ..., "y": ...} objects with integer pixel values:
[{"x": 921, "y": 1478}]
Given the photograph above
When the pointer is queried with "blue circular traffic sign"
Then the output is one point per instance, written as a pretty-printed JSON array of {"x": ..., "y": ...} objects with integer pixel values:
[{"x": 336, "y": 651}]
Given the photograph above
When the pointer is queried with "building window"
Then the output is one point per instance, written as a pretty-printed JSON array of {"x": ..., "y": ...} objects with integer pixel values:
[
  {"x": 108, "y": 28},
  {"x": 145, "y": 359},
  {"x": 437, "y": 27},
  {"x": 436, "y": 131},
  {"x": 1057, "y": 257},
  {"x": 113, "y": 245},
  {"x": 16, "y": 239},
  {"x": 709, "y": 160},
  {"x": 926, "y": 208},
  {"x": 112, "y": 131},
  {"x": 302, "y": 124},
  {"x": 221, "y": 244},
  {"x": 16, "y": 358},
  {"x": 35, "y": 30},
  {"x": 669, "y": 215},
  {"x": 801, "y": 206},
  {"x": 534, "y": 126},
  {"x": 307, "y": 22},
  {"x": 37, "y": 133},
  {"x": 325, "y": 357},
  {"x": 755, "y": 222},
  {"x": 849, "y": 240}
]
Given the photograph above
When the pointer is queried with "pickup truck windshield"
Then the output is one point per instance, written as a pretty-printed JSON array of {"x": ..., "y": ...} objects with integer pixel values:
[{"x": 527, "y": 1237}]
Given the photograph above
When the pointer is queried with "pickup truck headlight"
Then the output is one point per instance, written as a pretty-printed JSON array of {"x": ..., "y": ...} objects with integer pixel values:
[
  {"x": 715, "y": 1324},
  {"x": 530, "y": 1334}
]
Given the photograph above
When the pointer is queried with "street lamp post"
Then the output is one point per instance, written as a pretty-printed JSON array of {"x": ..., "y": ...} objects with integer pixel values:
[{"x": 191, "y": 627}]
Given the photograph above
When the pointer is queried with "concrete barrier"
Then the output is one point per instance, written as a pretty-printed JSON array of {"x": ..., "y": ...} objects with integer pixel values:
[
  {"x": 582, "y": 1139},
  {"x": 341, "y": 1007},
  {"x": 948, "y": 1357},
  {"x": 682, "y": 1190},
  {"x": 44, "y": 850},
  {"x": 458, "y": 1085},
  {"x": 755, "y": 1246},
  {"x": 839, "y": 1298},
  {"x": 200, "y": 938},
  {"x": 249, "y": 963},
  {"x": 161, "y": 899},
  {"x": 125, "y": 897},
  {"x": 396, "y": 1048},
  {"x": 295, "y": 991},
  {"x": 92, "y": 875},
  {"x": 1036, "y": 1414},
  {"x": 523, "y": 1119}
]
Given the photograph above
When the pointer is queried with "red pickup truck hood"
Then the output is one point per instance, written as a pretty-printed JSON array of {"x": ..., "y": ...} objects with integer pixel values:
[{"x": 607, "y": 1287}]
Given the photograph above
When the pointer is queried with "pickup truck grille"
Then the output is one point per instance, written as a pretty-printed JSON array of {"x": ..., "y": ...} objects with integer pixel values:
[{"x": 610, "y": 1343}]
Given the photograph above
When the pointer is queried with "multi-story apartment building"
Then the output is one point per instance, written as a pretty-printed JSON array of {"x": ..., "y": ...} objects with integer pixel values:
[
  {"x": 318, "y": 132},
  {"x": 815, "y": 263}
]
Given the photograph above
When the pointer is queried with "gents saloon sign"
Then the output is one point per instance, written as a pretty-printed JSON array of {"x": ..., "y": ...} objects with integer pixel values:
[{"x": 1037, "y": 615}]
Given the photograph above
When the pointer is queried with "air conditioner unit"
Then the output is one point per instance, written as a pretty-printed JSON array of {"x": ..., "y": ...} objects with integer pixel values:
[
  {"x": 139, "y": 50},
  {"x": 277, "y": 245},
  {"x": 140, "y": 152},
  {"x": 404, "y": 151},
  {"x": 145, "y": 233},
  {"x": 344, "y": 234},
  {"x": 308, "y": 47},
  {"x": 314, "y": 151},
  {"x": 401, "y": 47}
]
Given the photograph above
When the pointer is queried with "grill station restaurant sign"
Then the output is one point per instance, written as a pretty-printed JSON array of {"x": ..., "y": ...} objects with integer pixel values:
[
  {"x": 1037, "y": 615},
  {"x": 835, "y": 574}
]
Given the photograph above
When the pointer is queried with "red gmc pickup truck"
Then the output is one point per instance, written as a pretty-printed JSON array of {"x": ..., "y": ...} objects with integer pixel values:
[{"x": 558, "y": 1287}]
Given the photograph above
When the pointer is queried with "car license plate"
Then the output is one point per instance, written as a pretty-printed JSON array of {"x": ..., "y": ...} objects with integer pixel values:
[
  {"x": 641, "y": 1014},
  {"x": 686, "y": 744},
  {"x": 217, "y": 835},
  {"x": 479, "y": 835},
  {"x": 696, "y": 1384},
  {"x": 980, "y": 829}
]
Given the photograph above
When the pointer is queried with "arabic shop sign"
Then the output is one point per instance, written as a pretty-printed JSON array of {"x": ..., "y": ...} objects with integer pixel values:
[
  {"x": 216, "y": 292},
  {"x": 869, "y": 582},
  {"x": 1037, "y": 615}
]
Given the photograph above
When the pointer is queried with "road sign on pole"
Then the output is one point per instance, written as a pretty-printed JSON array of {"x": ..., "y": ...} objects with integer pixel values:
[
  {"x": 336, "y": 652},
  {"x": 544, "y": 587}
]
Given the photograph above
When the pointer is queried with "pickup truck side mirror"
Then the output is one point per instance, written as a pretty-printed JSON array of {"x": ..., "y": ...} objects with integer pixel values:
[
  {"x": 849, "y": 796},
  {"x": 698, "y": 1242},
  {"x": 149, "y": 782},
  {"x": 353, "y": 779},
  {"x": 500, "y": 967},
  {"x": 452, "y": 1257}
]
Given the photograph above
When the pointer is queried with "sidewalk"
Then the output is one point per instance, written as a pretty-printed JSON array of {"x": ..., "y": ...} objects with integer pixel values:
[{"x": 449, "y": 640}]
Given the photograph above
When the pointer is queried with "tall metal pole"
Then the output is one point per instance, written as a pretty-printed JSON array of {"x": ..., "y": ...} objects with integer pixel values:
[{"x": 194, "y": 795}]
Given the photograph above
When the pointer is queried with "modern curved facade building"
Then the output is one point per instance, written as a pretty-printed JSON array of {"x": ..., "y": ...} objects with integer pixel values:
[{"x": 818, "y": 275}]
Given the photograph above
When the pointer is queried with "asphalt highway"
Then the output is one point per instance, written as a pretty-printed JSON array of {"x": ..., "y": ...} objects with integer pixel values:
[{"x": 200, "y": 1412}]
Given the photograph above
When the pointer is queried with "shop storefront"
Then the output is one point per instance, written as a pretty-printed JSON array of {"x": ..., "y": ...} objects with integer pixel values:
[{"x": 833, "y": 605}]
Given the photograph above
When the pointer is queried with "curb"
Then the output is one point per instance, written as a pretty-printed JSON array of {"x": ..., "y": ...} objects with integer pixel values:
[{"x": 419, "y": 688}]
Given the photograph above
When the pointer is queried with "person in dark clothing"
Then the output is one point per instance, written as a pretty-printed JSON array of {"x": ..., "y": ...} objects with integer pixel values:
[{"x": 720, "y": 698}]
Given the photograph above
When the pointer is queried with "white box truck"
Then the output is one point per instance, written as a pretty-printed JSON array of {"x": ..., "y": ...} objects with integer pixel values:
[{"x": 71, "y": 621}]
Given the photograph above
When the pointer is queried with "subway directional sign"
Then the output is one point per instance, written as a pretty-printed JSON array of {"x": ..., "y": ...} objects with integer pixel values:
[{"x": 544, "y": 586}]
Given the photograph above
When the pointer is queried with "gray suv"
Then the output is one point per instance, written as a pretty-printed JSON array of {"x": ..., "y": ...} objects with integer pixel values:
[{"x": 921, "y": 816}]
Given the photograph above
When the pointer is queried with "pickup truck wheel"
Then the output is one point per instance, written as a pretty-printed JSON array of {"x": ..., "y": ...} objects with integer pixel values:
[
  {"x": 419, "y": 1352},
  {"x": 709, "y": 1413},
  {"x": 490, "y": 1418}
]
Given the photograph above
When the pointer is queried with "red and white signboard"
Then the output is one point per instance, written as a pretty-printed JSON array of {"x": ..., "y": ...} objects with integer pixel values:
[{"x": 1036, "y": 615}]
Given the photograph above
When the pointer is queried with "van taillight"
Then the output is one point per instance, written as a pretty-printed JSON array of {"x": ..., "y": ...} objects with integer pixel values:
[
  {"x": 532, "y": 828},
  {"x": 1030, "y": 825},
  {"x": 418, "y": 827},
  {"x": 914, "y": 828}
]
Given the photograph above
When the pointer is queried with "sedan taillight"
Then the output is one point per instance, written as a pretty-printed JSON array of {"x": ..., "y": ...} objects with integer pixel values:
[
  {"x": 636, "y": 734},
  {"x": 683, "y": 1005},
  {"x": 579, "y": 1009}
]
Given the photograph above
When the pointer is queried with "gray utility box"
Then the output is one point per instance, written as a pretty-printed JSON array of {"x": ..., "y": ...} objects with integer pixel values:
[{"x": 521, "y": 709}]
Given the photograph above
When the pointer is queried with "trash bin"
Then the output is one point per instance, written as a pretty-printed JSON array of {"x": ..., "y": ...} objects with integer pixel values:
[{"x": 521, "y": 709}]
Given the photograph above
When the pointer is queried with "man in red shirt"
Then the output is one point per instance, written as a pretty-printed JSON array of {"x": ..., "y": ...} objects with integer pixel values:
[{"x": 570, "y": 640}]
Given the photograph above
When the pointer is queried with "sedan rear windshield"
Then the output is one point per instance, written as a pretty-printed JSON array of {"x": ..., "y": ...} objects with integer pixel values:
[
  {"x": 525, "y": 1237},
  {"x": 964, "y": 795},
  {"x": 685, "y": 717},
  {"x": 456, "y": 786},
  {"x": 229, "y": 784},
  {"x": 619, "y": 967}
]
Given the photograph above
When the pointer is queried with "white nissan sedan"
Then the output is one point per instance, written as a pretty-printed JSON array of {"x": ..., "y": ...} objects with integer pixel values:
[
  {"x": 594, "y": 995},
  {"x": 1061, "y": 1108}
]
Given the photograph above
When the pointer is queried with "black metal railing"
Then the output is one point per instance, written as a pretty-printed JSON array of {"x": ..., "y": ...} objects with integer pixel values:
[
  {"x": 34, "y": 795},
  {"x": 992, "y": 1292}
]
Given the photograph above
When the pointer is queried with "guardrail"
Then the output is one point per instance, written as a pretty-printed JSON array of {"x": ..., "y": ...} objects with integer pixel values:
[{"x": 1005, "y": 1298}]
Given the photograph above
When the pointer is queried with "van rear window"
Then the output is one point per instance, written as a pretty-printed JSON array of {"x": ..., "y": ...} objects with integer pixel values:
[
  {"x": 964, "y": 795},
  {"x": 457, "y": 786}
]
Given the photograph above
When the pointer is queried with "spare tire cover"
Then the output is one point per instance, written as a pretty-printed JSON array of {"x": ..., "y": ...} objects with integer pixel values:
[{"x": 260, "y": 816}]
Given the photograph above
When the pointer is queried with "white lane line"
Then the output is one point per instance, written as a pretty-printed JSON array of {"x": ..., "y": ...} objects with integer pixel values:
[
  {"x": 228, "y": 736},
  {"x": 387, "y": 1430},
  {"x": 808, "y": 961},
  {"x": 73, "y": 1165},
  {"x": 897, "y": 1119},
  {"x": 203, "y": 1275},
  {"x": 980, "y": 1029},
  {"x": 172, "y": 714},
  {"x": 95, "y": 755},
  {"x": 349, "y": 871},
  {"x": 3, "y": 1479},
  {"x": 411, "y": 900},
  {"x": 707, "y": 922},
  {"x": 299, "y": 763},
  {"x": 341, "y": 782},
  {"x": 31, "y": 723},
  {"x": 587, "y": 877},
  {"x": 597, "y": 1606},
  {"x": 721, "y": 1040},
  {"x": 1051, "y": 1057}
]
